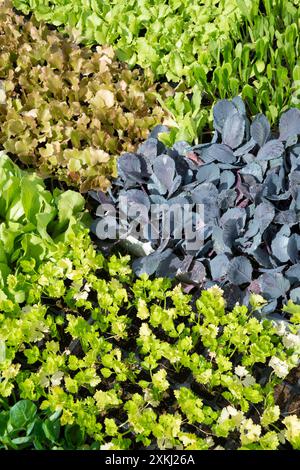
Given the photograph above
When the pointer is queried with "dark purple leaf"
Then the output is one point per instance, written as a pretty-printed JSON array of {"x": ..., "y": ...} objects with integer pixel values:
[
  {"x": 269, "y": 308},
  {"x": 260, "y": 129},
  {"x": 149, "y": 264},
  {"x": 280, "y": 245},
  {"x": 163, "y": 175},
  {"x": 272, "y": 149},
  {"x": 129, "y": 167},
  {"x": 244, "y": 150},
  {"x": 263, "y": 215},
  {"x": 208, "y": 173},
  {"x": 262, "y": 257},
  {"x": 236, "y": 214},
  {"x": 255, "y": 287},
  {"x": 169, "y": 266},
  {"x": 233, "y": 222},
  {"x": 233, "y": 130},
  {"x": 294, "y": 247},
  {"x": 218, "y": 241},
  {"x": 100, "y": 197},
  {"x": 233, "y": 294},
  {"x": 150, "y": 148},
  {"x": 181, "y": 148},
  {"x": 218, "y": 152},
  {"x": 221, "y": 111},
  {"x": 136, "y": 196},
  {"x": 288, "y": 217},
  {"x": 295, "y": 295},
  {"x": 293, "y": 273},
  {"x": 273, "y": 285},
  {"x": 239, "y": 271},
  {"x": 227, "y": 180},
  {"x": 195, "y": 275},
  {"x": 279, "y": 269},
  {"x": 227, "y": 199},
  {"x": 240, "y": 105},
  {"x": 254, "y": 169},
  {"x": 219, "y": 266},
  {"x": 294, "y": 178},
  {"x": 206, "y": 195}
]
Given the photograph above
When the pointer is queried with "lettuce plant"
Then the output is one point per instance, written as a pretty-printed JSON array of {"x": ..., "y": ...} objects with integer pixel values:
[
  {"x": 69, "y": 111},
  {"x": 145, "y": 32},
  {"x": 210, "y": 49},
  {"x": 32, "y": 220}
]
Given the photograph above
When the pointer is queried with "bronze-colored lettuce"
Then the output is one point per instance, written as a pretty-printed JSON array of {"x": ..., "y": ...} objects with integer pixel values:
[{"x": 67, "y": 110}]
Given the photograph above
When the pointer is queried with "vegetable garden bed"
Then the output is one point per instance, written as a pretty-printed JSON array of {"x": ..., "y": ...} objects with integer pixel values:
[{"x": 119, "y": 330}]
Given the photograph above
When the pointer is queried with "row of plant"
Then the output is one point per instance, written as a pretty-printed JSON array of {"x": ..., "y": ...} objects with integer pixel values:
[
  {"x": 91, "y": 357},
  {"x": 66, "y": 110},
  {"x": 177, "y": 348},
  {"x": 246, "y": 181},
  {"x": 211, "y": 49}
]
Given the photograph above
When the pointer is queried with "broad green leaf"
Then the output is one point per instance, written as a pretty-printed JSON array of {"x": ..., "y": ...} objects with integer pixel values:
[
  {"x": 31, "y": 197},
  {"x": 69, "y": 203},
  {"x": 22, "y": 414},
  {"x": 51, "y": 429}
]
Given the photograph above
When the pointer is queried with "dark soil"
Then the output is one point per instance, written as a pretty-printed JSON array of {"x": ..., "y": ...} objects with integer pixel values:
[{"x": 287, "y": 394}]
